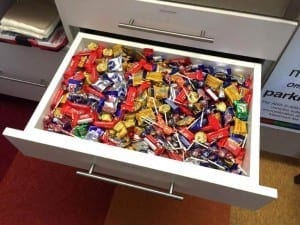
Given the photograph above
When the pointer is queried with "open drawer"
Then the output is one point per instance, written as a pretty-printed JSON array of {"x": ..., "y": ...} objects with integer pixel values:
[{"x": 148, "y": 169}]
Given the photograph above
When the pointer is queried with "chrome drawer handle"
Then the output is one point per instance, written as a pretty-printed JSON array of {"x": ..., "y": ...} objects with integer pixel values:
[
  {"x": 122, "y": 183},
  {"x": 2, "y": 76},
  {"x": 202, "y": 37}
]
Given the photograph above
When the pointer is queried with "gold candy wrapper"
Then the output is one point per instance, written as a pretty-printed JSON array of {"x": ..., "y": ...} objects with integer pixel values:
[
  {"x": 82, "y": 61},
  {"x": 122, "y": 133},
  {"x": 185, "y": 121},
  {"x": 146, "y": 113},
  {"x": 200, "y": 137},
  {"x": 150, "y": 102},
  {"x": 119, "y": 126},
  {"x": 137, "y": 105},
  {"x": 102, "y": 66},
  {"x": 106, "y": 117},
  {"x": 87, "y": 77},
  {"x": 193, "y": 97},
  {"x": 117, "y": 50},
  {"x": 240, "y": 127},
  {"x": 155, "y": 76},
  {"x": 129, "y": 116},
  {"x": 137, "y": 79},
  {"x": 165, "y": 108},
  {"x": 64, "y": 99},
  {"x": 107, "y": 52},
  {"x": 57, "y": 113},
  {"x": 161, "y": 91},
  {"x": 121, "y": 130},
  {"x": 129, "y": 123},
  {"x": 213, "y": 82},
  {"x": 232, "y": 93},
  {"x": 92, "y": 46},
  {"x": 221, "y": 106}
]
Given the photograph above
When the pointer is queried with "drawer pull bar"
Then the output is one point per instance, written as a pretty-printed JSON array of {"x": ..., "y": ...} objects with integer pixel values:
[
  {"x": 122, "y": 183},
  {"x": 201, "y": 37},
  {"x": 21, "y": 81}
]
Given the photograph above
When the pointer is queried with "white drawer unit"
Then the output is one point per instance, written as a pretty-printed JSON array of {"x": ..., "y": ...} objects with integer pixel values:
[
  {"x": 25, "y": 71},
  {"x": 146, "y": 171},
  {"x": 187, "y": 25}
]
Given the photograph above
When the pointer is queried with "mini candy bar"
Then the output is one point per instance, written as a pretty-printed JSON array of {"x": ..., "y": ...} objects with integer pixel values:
[
  {"x": 115, "y": 64},
  {"x": 139, "y": 100},
  {"x": 211, "y": 94},
  {"x": 232, "y": 93},
  {"x": 232, "y": 146},
  {"x": 213, "y": 82},
  {"x": 241, "y": 109},
  {"x": 240, "y": 127}
]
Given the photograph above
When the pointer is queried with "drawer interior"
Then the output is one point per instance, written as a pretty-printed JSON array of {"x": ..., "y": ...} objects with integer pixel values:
[{"x": 251, "y": 160}]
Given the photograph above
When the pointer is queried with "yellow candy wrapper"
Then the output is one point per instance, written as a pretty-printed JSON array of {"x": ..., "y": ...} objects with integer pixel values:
[
  {"x": 161, "y": 92},
  {"x": 129, "y": 123},
  {"x": 146, "y": 113},
  {"x": 92, "y": 46},
  {"x": 232, "y": 93},
  {"x": 117, "y": 50},
  {"x": 240, "y": 127},
  {"x": 155, "y": 76},
  {"x": 213, "y": 82},
  {"x": 106, "y": 117},
  {"x": 137, "y": 79},
  {"x": 200, "y": 137}
]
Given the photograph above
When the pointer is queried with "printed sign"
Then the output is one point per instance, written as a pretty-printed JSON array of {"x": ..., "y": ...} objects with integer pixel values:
[{"x": 280, "y": 100}]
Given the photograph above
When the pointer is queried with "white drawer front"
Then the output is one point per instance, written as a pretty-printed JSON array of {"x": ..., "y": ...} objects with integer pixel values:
[
  {"x": 225, "y": 31},
  {"x": 201, "y": 182},
  {"x": 21, "y": 87},
  {"x": 284, "y": 137},
  {"x": 26, "y": 71},
  {"x": 156, "y": 171}
]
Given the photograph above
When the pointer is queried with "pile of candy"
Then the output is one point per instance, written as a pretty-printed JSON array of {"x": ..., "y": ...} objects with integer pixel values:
[{"x": 168, "y": 107}]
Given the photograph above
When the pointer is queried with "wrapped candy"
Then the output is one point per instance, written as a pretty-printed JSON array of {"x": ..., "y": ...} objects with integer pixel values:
[{"x": 141, "y": 101}]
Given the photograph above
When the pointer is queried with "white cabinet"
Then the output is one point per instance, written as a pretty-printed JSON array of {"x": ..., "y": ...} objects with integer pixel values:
[
  {"x": 25, "y": 71},
  {"x": 146, "y": 169},
  {"x": 187, "y": 25},
  {"x": 221, "y": 31}
]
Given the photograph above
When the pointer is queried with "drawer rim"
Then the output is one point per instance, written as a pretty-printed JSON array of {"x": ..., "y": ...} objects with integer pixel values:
[{"x": 213, "y": 176}]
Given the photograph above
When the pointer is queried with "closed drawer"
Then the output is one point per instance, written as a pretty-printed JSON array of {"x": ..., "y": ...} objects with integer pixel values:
[
  {"x": 199, "y": 27},
  {"x": 11, "y": 84},
  {"x": 144, "y": 168},
  {"x": 26, "y": 71}
]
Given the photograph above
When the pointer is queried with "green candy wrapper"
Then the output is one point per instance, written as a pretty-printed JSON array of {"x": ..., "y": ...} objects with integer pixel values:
[
  {"x": 241, "y": 110},
  {"x": 80, "y": 130}
]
